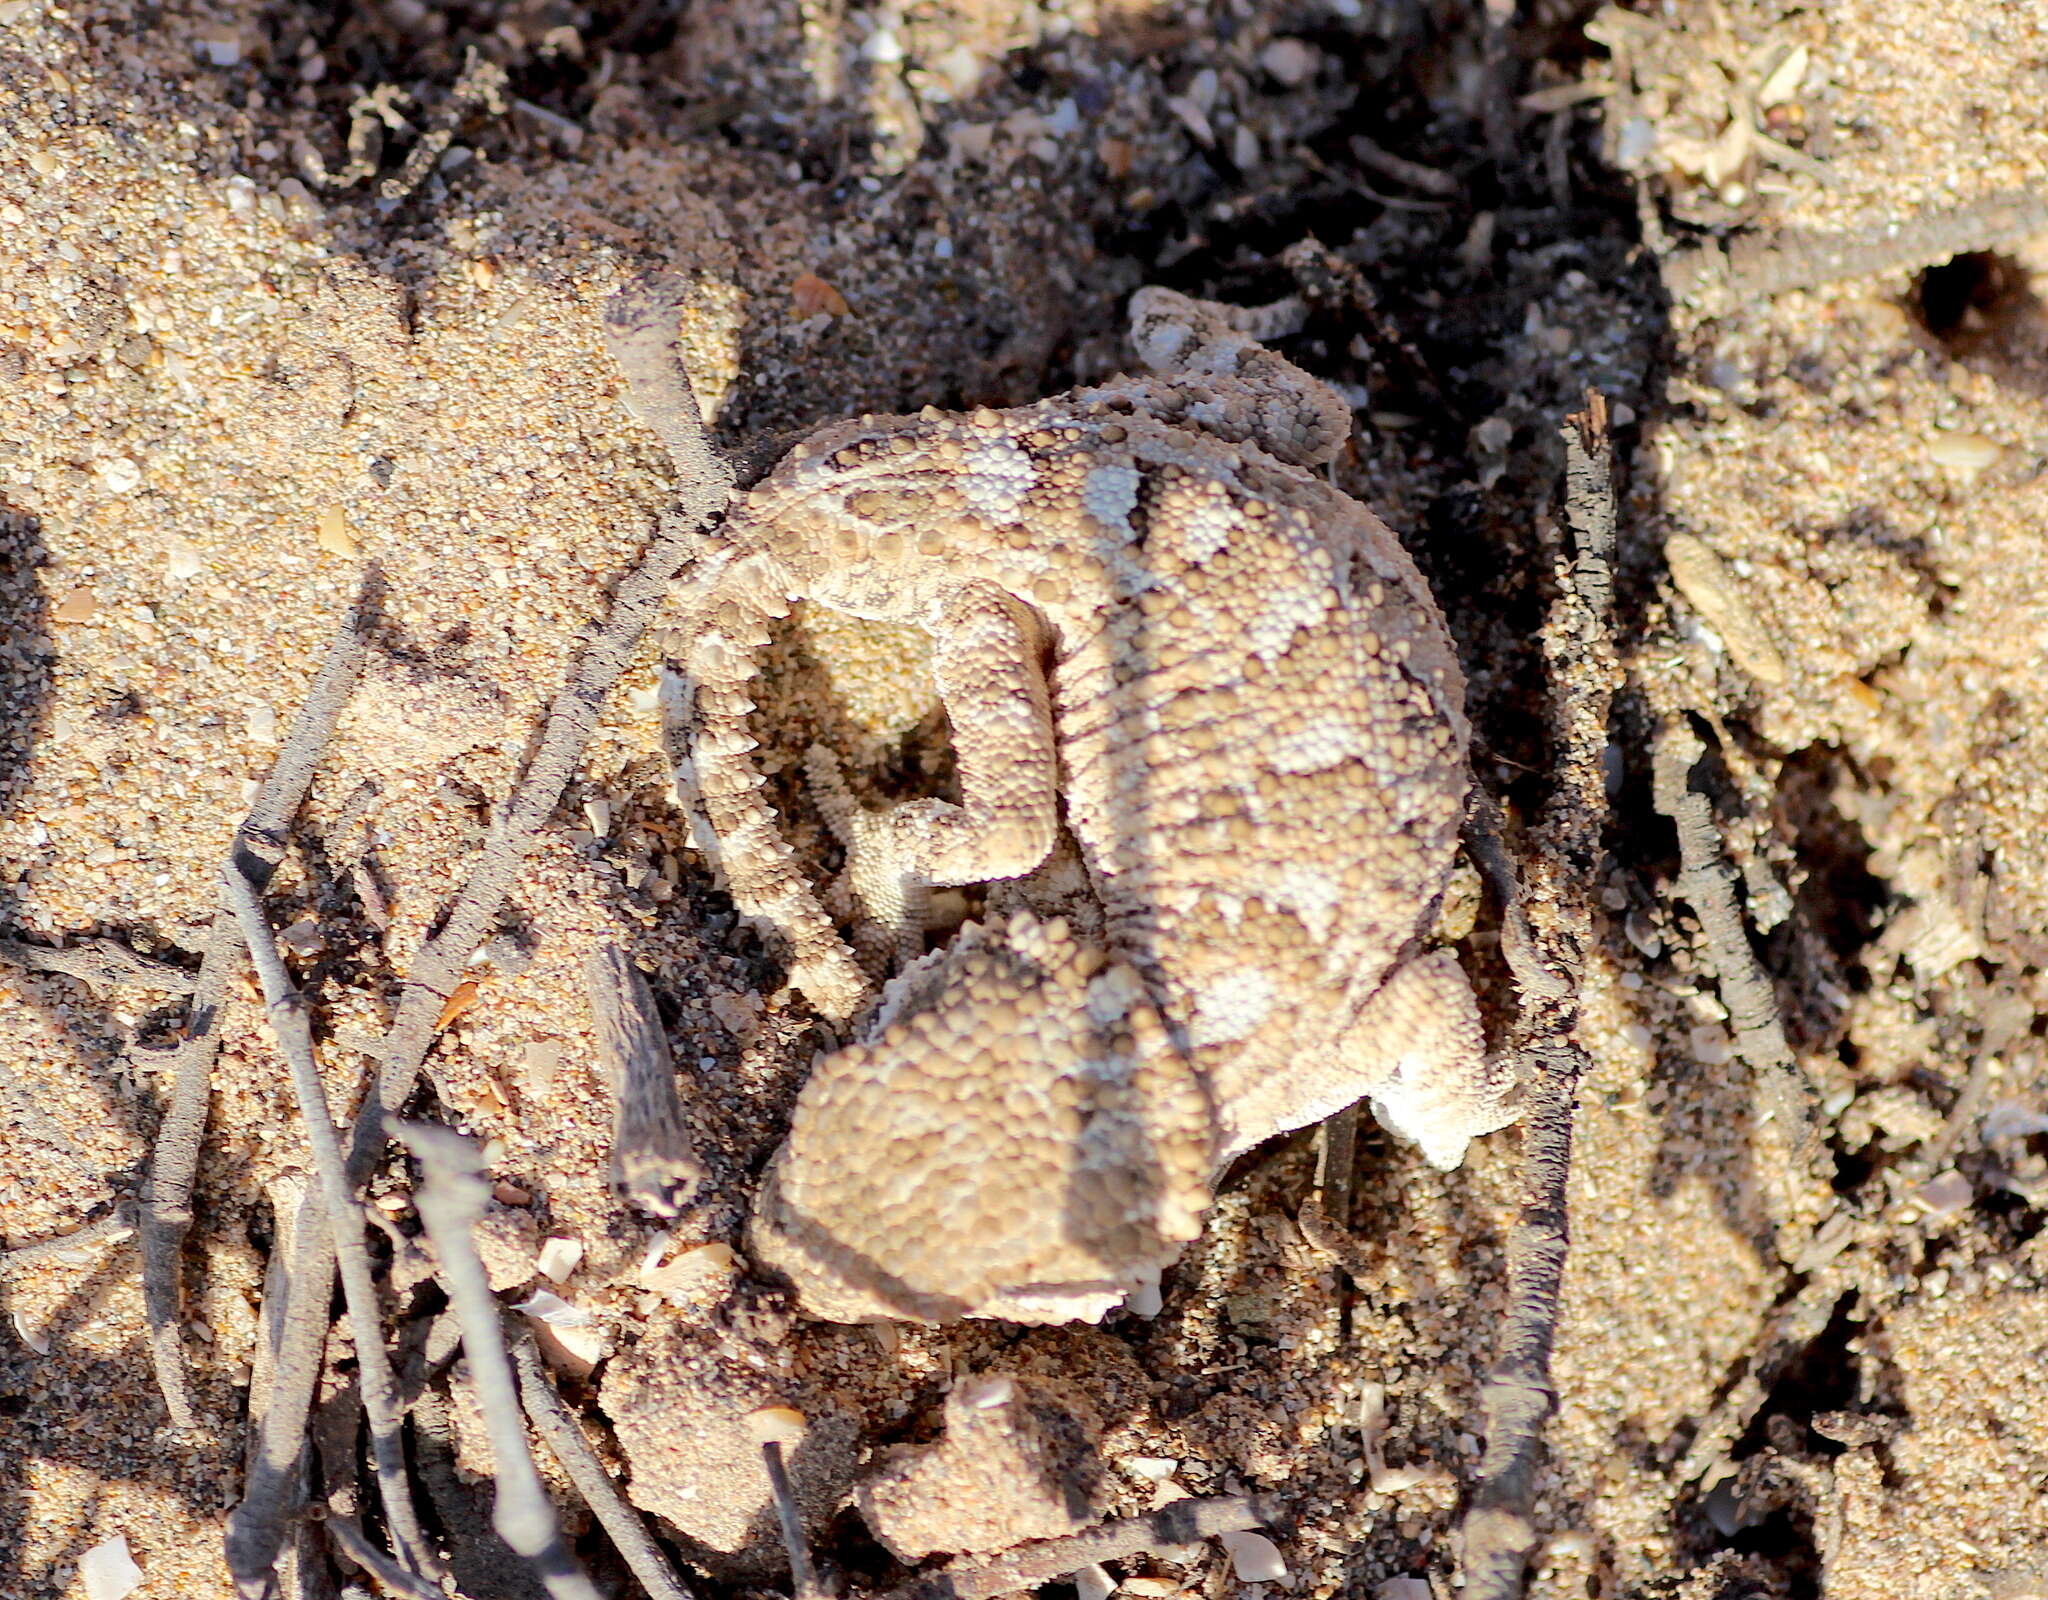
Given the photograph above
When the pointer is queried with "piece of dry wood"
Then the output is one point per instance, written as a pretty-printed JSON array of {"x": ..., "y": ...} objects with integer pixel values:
[
  {"x": 113, "y": 1227},
  {"x": 1791, "y": 1157},
  {"x": 804, "y": 1583},
  {"x": 297, "y": 1290},
  {"x": 356, "y": 1546},
  {"x": 653, "y": 1163},
  {"x": 451, "y": 1200}
]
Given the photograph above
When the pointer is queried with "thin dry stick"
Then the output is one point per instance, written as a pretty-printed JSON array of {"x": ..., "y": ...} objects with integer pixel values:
[
  {"x": 482, "y": 83},
  {"x": 452, "y": 1198},
  {"x": 1169, "y": 1531},
  {"x": 258, "y": 1526},
  {"x": 564, "y": 1436},
  {"x": 288, "y": 1021},
  {"x": 653, "y": 1164},
  {"x": 640, "y": 328},
  {"x": 257, "y": 849},
  {"x": 1789, "y": 1151},
  {"x": 1545, "y": 951},
  {"x": 117, "y": 1225},
  {"x": 803, "y": 1571},
  {"x": 100, "y": 964},
  {"x": 389, "y": 1573}
]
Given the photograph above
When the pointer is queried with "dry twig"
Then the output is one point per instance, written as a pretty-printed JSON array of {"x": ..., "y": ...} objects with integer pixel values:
[
  {"x": 115, "y": 1226},
  {"x": 353, "y": 1543},
  {"x": 100, "y": 964},
  {"x": 804, "y": 1583},
  {"x": 293, "y": 1338},
  {"x": 1757, "y": 266},
  {"x": 451, "y": 1200},
  {"x": 481, "y": 83},
  {"x": 287, "y": 1009},
  {"x": 564, "y": 1436},
  {"x": 1789, "y": 1154},
  {"x": 258, "y": 848},
  {"x": 1549, "y": 926}
]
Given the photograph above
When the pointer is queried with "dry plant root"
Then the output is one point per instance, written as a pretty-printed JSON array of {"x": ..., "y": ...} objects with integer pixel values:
[{"x": 1547, "y": 927}]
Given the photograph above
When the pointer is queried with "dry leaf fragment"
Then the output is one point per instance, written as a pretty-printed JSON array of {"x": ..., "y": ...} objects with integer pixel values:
[
  {"x": 814, "y": 297},
  {"x": 465, "y": 996},
  {"x": 1716, "y": 594}
]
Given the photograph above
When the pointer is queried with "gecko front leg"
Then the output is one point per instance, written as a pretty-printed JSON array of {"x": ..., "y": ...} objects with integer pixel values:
[{"x": 988, "y": 658}]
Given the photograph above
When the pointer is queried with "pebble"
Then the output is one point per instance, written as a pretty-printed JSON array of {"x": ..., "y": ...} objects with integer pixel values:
[
  {"x": 783, "y": 1425},
  {"x": 1291, "y": 62},
  {"x": 119, "y": 474},
  {"x": 1716, "y": 594},
  {"x": 813, "y": 296},
  {"x": 333, "y": 535},
  {"x": 1093, "y": 1582},
  {"x": 1945, "y": 1194},
  {"x": 559, "y": 1258},
  {"x": 1964, "y": 454},
  {"x": 77, "y": 606}
]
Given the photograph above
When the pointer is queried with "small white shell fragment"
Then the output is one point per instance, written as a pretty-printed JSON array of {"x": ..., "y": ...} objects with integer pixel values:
[
  {"x": 37, "y": 1338},
  {"x": 1291, "y": 62},
  {"x": 182, "y": 561},
  {"x": 1945, "y": 1194},
  {"x": 261, "y": 721},
  {"x": 776, "y": 1425},
  {"x": 1157, "y": 1468},
  {"x": 692, "y": 1271},
  {"x": 1149, "y": 1588},
  {"x": 552, "y": 1309},
  {"x": 119, "y": 474},
  {"x": 1785, "y": 78},
  {"x": 559, "y": 1257},
  {"x": 598, "y": 813},
  {"x": 988, "y": 1394},
  {"x": 576, "y": 1351},
  {"x": 1402, "y": 1589},
  {"x": 1093, "y": 1582},
  {"x": 1964, "y": 454},
  {"x": 108, "y": 1572},
  {"x": 1253, "y": 1557}
]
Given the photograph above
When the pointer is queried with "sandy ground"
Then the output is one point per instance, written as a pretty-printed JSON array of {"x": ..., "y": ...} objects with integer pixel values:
[{"x": 225, "y": 386}]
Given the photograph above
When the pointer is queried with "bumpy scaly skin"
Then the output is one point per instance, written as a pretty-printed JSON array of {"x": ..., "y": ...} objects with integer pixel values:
[{"x": 1155, "y": 626}]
